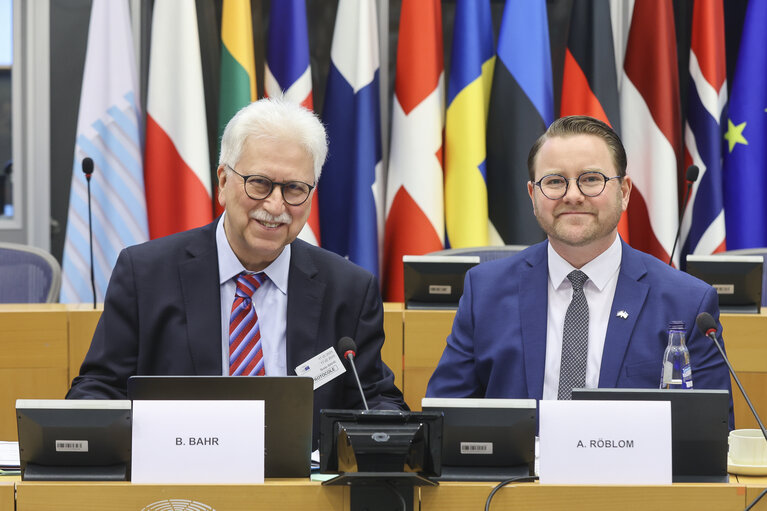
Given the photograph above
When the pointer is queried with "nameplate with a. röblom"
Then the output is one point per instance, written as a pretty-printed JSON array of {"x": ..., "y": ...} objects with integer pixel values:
[
  {"x": 193, "y": 442},
  {"x": 605, "y": 442}
]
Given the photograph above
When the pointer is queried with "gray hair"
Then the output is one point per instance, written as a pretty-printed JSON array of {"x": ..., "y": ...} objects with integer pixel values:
[{"x": 275, "y": 118}]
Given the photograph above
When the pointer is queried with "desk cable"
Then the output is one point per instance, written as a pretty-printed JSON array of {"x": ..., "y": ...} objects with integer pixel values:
[{"x": 523, "y": 479}]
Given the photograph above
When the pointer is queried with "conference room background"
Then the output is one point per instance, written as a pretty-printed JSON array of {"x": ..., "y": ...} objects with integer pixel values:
[{"x": 69, "y": 32}]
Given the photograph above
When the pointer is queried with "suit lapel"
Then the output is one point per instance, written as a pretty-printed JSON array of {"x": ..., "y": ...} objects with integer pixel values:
[
  {"x": 202, "y": 302},
  {"x": 630, "y": 296},
  {"x": 533, "y": 297},
  {"x": 305, "y": 298}
]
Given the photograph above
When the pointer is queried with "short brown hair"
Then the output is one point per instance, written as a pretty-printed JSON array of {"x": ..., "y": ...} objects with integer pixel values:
[{"x": 581, "y": 125}]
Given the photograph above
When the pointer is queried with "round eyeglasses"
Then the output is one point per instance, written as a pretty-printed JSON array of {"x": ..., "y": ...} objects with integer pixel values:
[
  {"x": 591, "y": 184},
  {"x": 259, "y": 187}
]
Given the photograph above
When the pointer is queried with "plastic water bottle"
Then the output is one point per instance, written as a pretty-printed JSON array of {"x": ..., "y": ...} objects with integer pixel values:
[{"x": 676, "y": 373}]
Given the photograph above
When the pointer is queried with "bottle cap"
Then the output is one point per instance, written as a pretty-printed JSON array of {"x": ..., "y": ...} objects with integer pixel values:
[{"x": 676, "y": 325}]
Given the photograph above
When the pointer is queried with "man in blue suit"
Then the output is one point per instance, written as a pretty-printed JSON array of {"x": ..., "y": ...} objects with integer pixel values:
[
  {"x": 582, "y": 309},
  {"x": 177, "y": 305}
]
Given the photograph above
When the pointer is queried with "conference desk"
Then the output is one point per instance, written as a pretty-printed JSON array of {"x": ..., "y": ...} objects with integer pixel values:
[
  {"x": 290, "y": 494},
  {"x": 745, "y": 337},
  {"x": 43, "y": 345}
]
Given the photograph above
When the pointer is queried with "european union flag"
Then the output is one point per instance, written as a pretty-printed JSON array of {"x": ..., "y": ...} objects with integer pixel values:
[{"x": 745, "y": 130}]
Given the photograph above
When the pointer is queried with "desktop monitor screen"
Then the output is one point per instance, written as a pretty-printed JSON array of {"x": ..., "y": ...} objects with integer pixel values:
[
  {"x": 486, "y": 439},
  {"x": 699, "y": 428},
  {"x": 736, "y": 278},
  {"x": 435, "y": 282},
  {"x": 380, "y": 442},
  {"x": 74, "y": 440},
  {"x": 288, "y": 405}
]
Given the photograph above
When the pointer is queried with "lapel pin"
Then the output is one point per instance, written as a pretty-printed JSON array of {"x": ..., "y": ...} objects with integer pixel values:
[{"x": 623, "y": 314}]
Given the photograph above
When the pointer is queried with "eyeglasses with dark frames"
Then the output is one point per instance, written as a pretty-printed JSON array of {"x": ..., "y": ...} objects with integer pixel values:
[
  {"x": 591, "y": 184},
  {"x": 259, "y": 187}
]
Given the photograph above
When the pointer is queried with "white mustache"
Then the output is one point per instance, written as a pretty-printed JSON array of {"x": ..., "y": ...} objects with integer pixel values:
[{"x": 262, "y": 216}]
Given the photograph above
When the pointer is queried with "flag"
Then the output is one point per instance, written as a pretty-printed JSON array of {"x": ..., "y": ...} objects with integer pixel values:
[
  {"x": 108, "y": 132},
  {"x": 289, "y": 74},
  {"x": 468, "y": 97},
  {"x": 590, "y": 80},
  {"x": 414, "y": 201},
  {"x": 238, "y": 65},
  {"x": 521, "y": 108},
  {"x": 745, "y": 160},
  {"x": 651, "y": 127},
  {"x": 703, "y": 223},
  {"x": 176, "y": 163},
  {"x": 351, "y": 211}
]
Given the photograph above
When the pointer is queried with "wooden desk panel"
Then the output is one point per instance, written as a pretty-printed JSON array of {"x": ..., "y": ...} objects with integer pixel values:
[
  {"x": 33, "y": 338},
  {"x": 82, "y": 324},
  {"x": 425, "y": 334},
  {"x": 33, "y": 358},
  {"x": 7, "y": 495},
  {"x": 275, "y": 494},
  {"x": 392, "y": 350},
  {"x": 697, "y": 497}
]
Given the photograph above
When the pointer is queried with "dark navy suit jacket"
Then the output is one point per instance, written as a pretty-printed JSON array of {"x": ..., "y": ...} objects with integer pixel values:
[
  {"x": 497, "y": 347},
  {"x": 162, "y": 316}
]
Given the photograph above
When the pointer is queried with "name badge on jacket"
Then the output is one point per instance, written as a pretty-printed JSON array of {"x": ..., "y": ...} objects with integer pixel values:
[{"x": 322, "y": 368}]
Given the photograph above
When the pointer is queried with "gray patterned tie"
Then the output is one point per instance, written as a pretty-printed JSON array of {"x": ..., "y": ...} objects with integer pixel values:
[{"x": 575, "y": 340}]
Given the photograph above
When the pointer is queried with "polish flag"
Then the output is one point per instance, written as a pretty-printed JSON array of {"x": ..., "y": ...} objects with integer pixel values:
[{"x": 176, "y": 158}]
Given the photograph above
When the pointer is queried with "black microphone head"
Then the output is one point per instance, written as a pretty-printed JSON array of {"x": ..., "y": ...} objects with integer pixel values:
[
  {"x": 345, "y": 345},
  {"x": 87, "y": 166},
  {"x": 692, "y": 173},
  {"x": 706, "y": 323}
]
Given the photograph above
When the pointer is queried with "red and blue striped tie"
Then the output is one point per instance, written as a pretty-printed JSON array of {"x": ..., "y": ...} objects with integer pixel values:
[{"x": 245, "y": 355}]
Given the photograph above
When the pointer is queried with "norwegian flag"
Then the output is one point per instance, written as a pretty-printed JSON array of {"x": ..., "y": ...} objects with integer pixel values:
[{"x": 703, "y": 229}]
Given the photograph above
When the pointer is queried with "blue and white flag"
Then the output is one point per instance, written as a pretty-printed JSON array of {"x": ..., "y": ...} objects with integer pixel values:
[
  {"x": 108, "y": 132},
  {"x": 351, "y": 209}
]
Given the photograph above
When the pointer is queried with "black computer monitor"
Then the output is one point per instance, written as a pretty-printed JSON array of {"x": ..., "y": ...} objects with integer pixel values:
[
  {"x": 736, "y": 278},
  {"x": 699, "y": 428},
  {"x": 288, "y": 408},
  {"x": 74, "y": 440},
  {"x": 486, "y": 439},
  {"x": 380, "y": 445},
  {"x": 435, "y": 282}
]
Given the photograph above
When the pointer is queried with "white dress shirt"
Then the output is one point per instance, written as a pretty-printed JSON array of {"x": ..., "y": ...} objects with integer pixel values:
[
  {"x": 270, "y": 300},
  {"x": 599, "y": 290}
]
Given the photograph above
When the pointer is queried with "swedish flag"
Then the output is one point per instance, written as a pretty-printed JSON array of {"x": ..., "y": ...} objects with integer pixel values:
[{"x": 468, "y": 96}]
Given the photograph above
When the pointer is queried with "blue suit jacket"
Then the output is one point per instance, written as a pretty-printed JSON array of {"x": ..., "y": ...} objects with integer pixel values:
[
  {"x": 162, "y": 316},
  {"x": 497, "y": 347}
]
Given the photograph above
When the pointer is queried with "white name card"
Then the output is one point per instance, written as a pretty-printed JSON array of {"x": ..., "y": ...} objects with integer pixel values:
[
  {"x": 193, "y": 442},
  {"x": 605, "y": 442}
]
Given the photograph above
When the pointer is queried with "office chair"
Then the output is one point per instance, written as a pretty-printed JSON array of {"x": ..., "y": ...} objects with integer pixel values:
[
  {"x": 485, "y": 253},
  {"x": 28, "y": 275}
]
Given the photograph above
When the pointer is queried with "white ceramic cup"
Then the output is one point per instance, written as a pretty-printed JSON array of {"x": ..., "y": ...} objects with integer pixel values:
[{"x": 748, "y": 447}]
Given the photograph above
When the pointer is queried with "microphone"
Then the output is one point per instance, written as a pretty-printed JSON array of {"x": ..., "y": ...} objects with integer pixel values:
[
  {"x": 88, "y": 171},
  {"x": 691, "y": 177},
  {"x": 707, "y": 326},
  {"x": 348, "y": 349}
]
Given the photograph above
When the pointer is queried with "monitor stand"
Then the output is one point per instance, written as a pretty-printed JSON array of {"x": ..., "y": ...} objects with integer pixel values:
[
  {"x": 34, "y": 472},
  {"x": 381, "y": 491}
]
